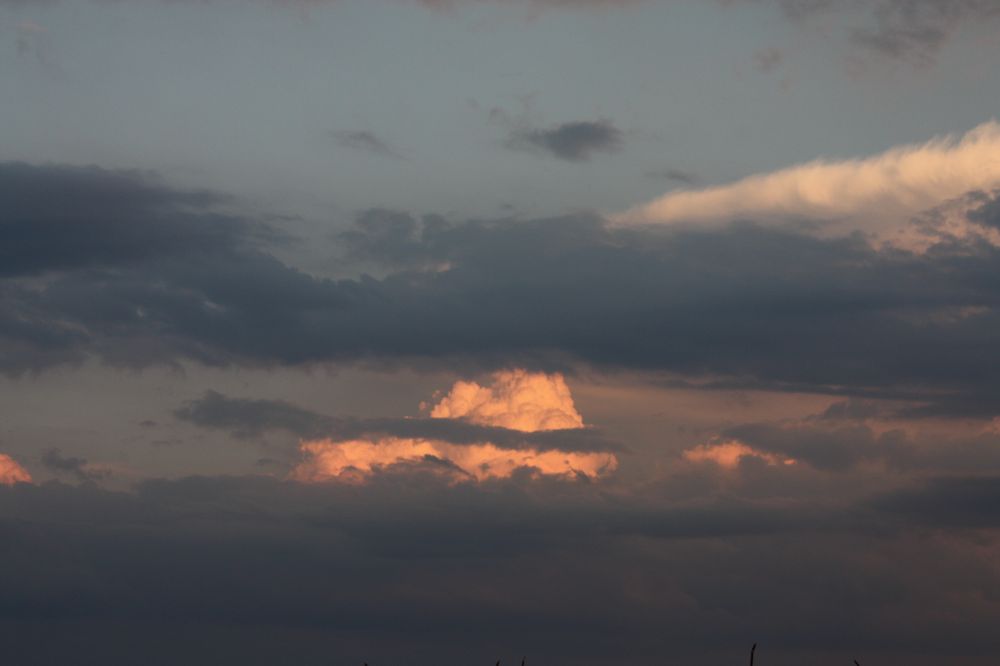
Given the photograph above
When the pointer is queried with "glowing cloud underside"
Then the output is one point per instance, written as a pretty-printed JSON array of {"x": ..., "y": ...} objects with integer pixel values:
[
  {"x": 872, "y": 194},
  {"x": 327, "y": 459},
  {"x": 730, "y": 453},
  {"x": 11, "y": 472},
  {"x": 516, "y": 399}
]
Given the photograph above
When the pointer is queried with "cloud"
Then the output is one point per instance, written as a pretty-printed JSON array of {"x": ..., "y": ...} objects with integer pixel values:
[
  {"x": 61, "y": 217},
  {"x": 252, "y": 418},
  {"x": 730, "y": 453},
  {"x": 878, "y": 195},
  {"x": 572, "y": 141},
  {"x": 769, "y": 59},
  {"x": 906, "y": 30},
  {"x": 393, "y": 237},
  {"x": 11, "y": 471},
  {"x": 247, "y": 418},
  {"x": 683, "y": 177},
  {"x": 917, "y": 29},
  {"x": 365, "y": 141},
  {"x": 964, "y": 502},
  {"x": 82, "y": 470},
  {"x": 516, "y": 400},
  {"x": 764, "y": 304},
  {"x": 254, "y": 571},
  {"x": 328, "y": 460},
  {"x": 836, "y": 443}
]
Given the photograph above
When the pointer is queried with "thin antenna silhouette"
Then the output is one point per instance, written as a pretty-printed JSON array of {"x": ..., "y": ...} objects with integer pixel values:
[
  {"x": 856, "y": 663},
  {"x": 752, "y": 650}
]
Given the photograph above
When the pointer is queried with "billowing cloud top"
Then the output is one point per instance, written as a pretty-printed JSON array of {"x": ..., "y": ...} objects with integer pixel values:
[
  {"x": 516, "y": 400},
  {"x": 11, "y": 471}
]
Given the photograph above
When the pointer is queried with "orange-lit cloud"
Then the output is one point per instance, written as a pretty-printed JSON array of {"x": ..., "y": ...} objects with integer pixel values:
[
  {"x": 11, "y": 472},
  {"x": 878, "y": 194},
  {"x": 729, "y": 453},
  {"x": 516, "y": 399},
  {"x": 328, "y": 459}
]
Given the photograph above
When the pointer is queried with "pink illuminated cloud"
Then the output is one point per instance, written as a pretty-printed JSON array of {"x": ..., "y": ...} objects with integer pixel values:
[
  {"x": 729, "y": 453},
  {"x": 11, "y": 471}
]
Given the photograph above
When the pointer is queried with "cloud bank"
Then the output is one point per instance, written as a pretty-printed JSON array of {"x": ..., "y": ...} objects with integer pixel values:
[{"x": 160, "y": 276}]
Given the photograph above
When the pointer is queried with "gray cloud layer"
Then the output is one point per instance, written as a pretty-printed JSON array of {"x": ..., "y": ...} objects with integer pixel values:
[
  {"x": 255, "y": 571},
  {"x": 153, "y": 276}
]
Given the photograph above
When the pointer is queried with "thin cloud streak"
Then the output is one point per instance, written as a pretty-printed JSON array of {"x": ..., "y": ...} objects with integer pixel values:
[{"x": 366, "y": 141}]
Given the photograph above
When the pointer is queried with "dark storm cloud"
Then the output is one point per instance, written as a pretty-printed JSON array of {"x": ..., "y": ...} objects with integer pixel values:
[
  {"x": 252, "y": 418},
  {"x": 573, "y": 141},
  {"x": 771, "y": 307},
  {"x": 365, "y": 141},
  {"x": 62, "y": 217},
  {"x": 255, "y": 571}
]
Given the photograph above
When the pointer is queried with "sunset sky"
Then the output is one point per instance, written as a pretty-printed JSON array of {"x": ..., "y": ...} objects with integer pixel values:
[{"x": 436, "y": 332}]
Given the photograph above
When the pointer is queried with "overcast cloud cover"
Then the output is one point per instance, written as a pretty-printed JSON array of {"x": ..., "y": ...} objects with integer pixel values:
[{"x": 585, "y": 331}]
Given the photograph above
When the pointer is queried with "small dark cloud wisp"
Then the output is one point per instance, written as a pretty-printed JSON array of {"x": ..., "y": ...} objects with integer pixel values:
[
  {"x": 573, "y": 141},
  {"x": 366, "y": 141}
]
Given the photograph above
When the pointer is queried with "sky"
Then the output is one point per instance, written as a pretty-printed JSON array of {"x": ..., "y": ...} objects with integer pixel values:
[{"x": 411, "y": 332}]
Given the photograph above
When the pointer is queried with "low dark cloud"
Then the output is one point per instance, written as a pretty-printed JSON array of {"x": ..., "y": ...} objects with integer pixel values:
[
  {"x": 573, "y": 141},
  {"x": 54, "y": 460},
  {"x": 256, "y": 571},
  {"x": 253, "y": 418},
  {"x": 957, "y": 502},
  {"x": 62, "y": 217}
]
